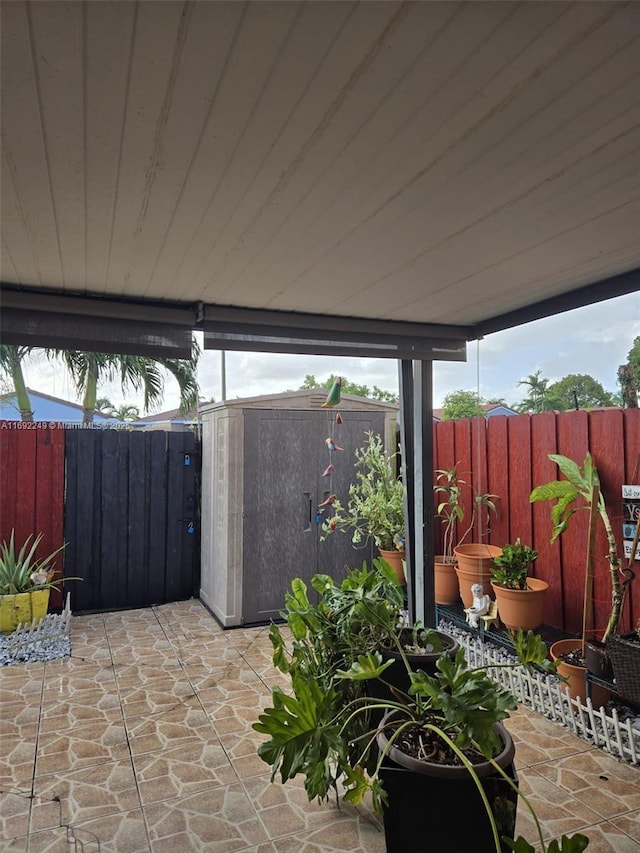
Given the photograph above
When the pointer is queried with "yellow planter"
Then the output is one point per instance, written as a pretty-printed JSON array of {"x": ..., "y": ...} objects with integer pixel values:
[{"x": 23, "y": 607}]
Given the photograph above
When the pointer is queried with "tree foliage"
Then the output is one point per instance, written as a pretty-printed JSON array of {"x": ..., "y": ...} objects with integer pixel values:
[
  {"x": 88, "y": 369},
  {"x": 375, "y": 393},
  {"x": 126, "y": 412},
  {"x": 579, "y": 391},
  {"x": 629, "y": 377},
  {"x": 461, "y": 404},
  {"x": 11, "y": 358},
  {"x": 138, "y": 373},
  {"x": 537, "y": 394}
]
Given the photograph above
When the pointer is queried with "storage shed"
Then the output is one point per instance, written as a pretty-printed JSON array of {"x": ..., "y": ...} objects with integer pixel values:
[{"x": 262, "y": 464}]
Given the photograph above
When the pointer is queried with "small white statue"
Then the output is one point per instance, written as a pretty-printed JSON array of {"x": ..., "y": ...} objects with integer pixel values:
[{"x": 480, "y": 605}]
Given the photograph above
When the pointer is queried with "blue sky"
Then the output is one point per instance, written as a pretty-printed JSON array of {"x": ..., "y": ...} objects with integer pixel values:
[{"x": 594, "y": 340}]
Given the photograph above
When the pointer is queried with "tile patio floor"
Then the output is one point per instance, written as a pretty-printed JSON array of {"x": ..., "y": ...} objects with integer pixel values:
[{"x": 142, "y": 741}]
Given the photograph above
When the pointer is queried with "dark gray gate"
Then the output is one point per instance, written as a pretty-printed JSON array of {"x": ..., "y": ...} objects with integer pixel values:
[
  {"x": 285, "y": 455},
  {"x": 131, "y": 520}
]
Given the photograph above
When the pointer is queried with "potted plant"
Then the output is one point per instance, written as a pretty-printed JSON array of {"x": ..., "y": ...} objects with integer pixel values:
[
  {"x": 322, "y": 730},
  {"x": 474, "y": 560},
  {"x": 578, "y": 492},
  {"x": 25, "y": 581},
  {"x": 375, "y": 509},
  {"x": 450, "y": 510},
  {"x": 520, "y": 598},
  {"x": 362, "y": 614}
]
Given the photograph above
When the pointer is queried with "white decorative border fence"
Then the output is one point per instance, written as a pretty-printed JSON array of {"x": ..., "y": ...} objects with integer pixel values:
[
  {"x": 548, "y": 696},
  {"x": 33, "y": 641}
]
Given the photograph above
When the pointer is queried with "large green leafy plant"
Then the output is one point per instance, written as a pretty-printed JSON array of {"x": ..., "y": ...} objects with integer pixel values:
[
  {"x": 375, "y": 508},
  {"x": 321, "y": 728},
  {"x": 578, "y": 492}
]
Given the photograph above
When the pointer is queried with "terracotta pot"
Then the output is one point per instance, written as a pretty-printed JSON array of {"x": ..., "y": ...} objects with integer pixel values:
[
  {"x": 521, "y": 608},
  {"x": 577, "y": 675},
  {"x": 395, "y": 558},
  {"x": 22, "y": 608},
  {"x": 475, "y": 565},
  {"x": 446, "y": 582}
]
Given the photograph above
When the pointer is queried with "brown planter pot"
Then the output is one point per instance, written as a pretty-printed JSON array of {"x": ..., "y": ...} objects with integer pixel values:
[
  {"x": 395, "y": 558},
  {"x": 475, "y": 565},
  {"x": 521, "y": 608},
  {"x": 577, "y": 675},
  {"x": 446, "y": 582}
]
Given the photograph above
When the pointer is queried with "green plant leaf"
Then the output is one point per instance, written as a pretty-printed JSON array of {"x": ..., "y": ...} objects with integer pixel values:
[
  {"x": 572, "y": 471},
  {"x": 365, "y": 667},
  {"x": 357, "y": 784}
]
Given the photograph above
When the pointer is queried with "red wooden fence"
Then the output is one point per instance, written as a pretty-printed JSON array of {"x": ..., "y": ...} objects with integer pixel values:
[
  {"x": 503, "y": 455},
  {"x": 32, "y": 486},
  {"x": 508, "y": 456}
]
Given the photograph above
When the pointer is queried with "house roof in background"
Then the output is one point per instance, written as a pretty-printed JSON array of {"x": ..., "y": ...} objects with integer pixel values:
[
  {"x": 462, "y": 165},
  {"x": 46, "y": 407},
  {"x": 491, "y": 409},
  {"x": 311, "y": 398}
]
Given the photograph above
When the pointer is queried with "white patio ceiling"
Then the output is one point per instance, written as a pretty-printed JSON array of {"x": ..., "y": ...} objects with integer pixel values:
[{"x": 427, "y": 162}]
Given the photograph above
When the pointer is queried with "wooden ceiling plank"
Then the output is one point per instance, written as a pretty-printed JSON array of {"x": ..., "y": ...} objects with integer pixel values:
[{"x": 24, "y": 163}]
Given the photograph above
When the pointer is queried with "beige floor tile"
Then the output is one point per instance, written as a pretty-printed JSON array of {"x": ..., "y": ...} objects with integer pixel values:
[
  {"x": 23, "y": 672},
  {"x": 135, "y": 674},
  {"x": 18, "y": 845},
  {"x": 156, "y": 696},
  {"x": 241, "y": 747},
  {"x": 146, "y": 655},
  {"x": 15, "y": 804},
  {"x": 607, "y": 838},
  {"x": 67, "y": 716},
  {"x": 557, "y": 811},
  {"x": 238, "y": 717},
  {"x": 81, "y": 746},
  {"x": 82, "y": 795},
  {"x": 20, "y": 687},
  {"x": 285, "y": 809},
  {"x": 629, "y": 823},
  {"x": 91, "y": 620},
  {"x": 19, "y": 719},
  {"x": 355, "y": 836},
  {"x": 181, "y": 725},
  {"x": 538, "y": 739},
  {"x": 17, "y": 761},
  {"x": 123, "y": 832},
  {"x": 90, "y": 653},
  {"x": 182, "y": 771},
  {"x": 71, "y": 675},
  {"x": 221, "y": 819},
  {"x": 231, "y": 685},
  {"x": 604, "y": 784}
]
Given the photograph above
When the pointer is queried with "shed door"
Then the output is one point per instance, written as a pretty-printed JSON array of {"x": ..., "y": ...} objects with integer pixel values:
[{"x": 285, "y": 455}]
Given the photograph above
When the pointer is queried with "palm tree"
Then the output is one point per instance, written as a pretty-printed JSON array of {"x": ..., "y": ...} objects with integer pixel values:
[
  {"x": 537, "y": 393},
  {"x": 137, "y": 372},
  {"x": 11, "y": 358},
  {"x": 126, "y": 412},
  {"x": 104, "y": 404}
]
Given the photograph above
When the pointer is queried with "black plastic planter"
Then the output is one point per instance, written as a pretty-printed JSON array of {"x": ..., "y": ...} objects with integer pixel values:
[
  {"x": 397, "y": 676},
  {"x": 433, "y": 812}
]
